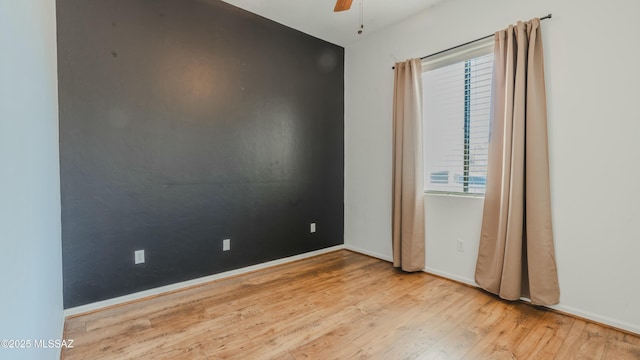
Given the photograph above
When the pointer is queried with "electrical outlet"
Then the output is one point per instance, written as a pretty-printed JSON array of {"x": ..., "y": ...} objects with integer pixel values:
[
  {"x": 460, "y": 245},
  {"x": 226, "y": 244},
  {"x": 313, "y": 228},
  {"x": 138, "y": 257}
]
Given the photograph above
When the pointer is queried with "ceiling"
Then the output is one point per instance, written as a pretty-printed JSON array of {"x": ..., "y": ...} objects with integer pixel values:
[{"x": 316, "y": 17}]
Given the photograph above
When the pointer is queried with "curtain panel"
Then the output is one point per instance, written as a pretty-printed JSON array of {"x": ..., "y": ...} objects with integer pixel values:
[
  {"x": 408, "y": 189},
  {"x": 516, "y": 256}
]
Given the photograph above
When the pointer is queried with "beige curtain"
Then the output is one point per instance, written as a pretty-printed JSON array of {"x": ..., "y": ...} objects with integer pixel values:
[
  {"x": 408, "y": 189},
  {"x": 516, "y": 257}
]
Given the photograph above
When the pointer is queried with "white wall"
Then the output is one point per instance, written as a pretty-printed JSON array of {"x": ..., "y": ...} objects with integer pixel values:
[
  {"x": 591, "y": 55},
  {"x": 30, "y": 248}
]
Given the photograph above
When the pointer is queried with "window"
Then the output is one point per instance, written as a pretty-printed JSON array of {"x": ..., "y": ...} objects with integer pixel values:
[{"x": 457, "y": 104}]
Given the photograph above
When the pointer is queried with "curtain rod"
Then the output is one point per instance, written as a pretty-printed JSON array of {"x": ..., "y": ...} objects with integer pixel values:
[{"x": 467, "y": 43}]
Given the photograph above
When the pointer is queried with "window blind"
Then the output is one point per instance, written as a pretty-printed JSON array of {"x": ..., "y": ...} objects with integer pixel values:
[{"x": 457, "y": 110}]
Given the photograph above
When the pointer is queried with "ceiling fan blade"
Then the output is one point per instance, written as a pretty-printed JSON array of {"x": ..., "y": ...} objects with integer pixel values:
[{"x": 342, "y": 5}]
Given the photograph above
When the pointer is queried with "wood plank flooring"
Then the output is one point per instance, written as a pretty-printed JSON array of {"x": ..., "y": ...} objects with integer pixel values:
[{"x": 340, "y": 305}]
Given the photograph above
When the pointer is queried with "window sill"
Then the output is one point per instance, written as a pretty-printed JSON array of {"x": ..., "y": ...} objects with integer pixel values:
[{"x": 453, "y": 194}]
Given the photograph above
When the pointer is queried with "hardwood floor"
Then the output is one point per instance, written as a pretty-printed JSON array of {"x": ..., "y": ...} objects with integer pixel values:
[{"x": 340, "y": 305}]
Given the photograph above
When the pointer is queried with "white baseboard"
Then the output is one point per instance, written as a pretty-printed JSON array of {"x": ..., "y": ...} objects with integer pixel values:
[
  {"x": 449, "y": 276},
  {"x": 181, "y": 285},
  {"x": 369, "y": 253},
  {"x": 633, "y": 328}
]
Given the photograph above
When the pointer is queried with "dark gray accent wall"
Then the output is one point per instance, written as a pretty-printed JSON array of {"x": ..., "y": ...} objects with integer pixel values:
[{"x": 186, "y": 122}]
